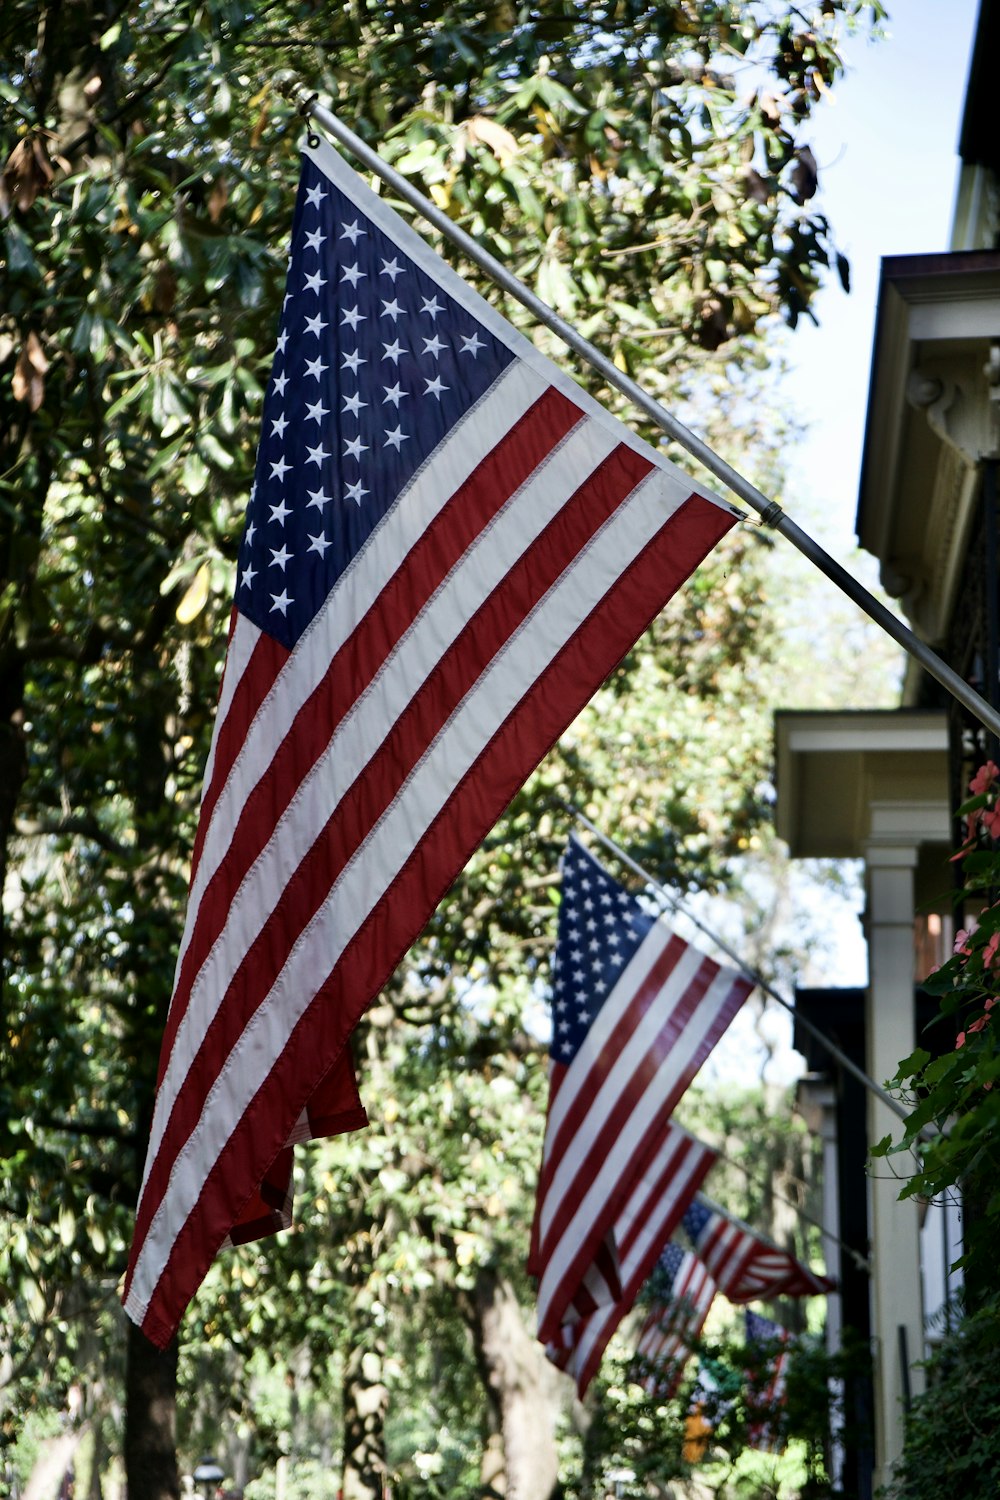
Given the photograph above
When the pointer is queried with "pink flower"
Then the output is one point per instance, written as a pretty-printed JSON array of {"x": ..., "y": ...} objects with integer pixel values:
[
  {"x": 990, "y": 1004},
  {"x": 962, "y": 937},
  {"x": 984, "y": 778},
  {"x": 978, "y": 1025},
  {"x": 960, "y": 1040},
  {"x": 990, "y": 951},
  {"x": 991, "y": 821}
]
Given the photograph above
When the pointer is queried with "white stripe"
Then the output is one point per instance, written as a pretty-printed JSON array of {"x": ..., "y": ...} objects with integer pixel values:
[
  {"x": 244, "y": 638},
  {"x": 354, "y": 594},
  {"x": 361, "y": 732},
  {"x": 351, "y": 185},
  {"x": 373, "y": 867}
]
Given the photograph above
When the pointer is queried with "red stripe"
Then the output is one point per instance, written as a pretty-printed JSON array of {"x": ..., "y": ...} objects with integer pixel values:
[
  {"x": 456, "y": 526},
  {"x": 550, "y": 703},
  {"x": 266, "y": 660},
  {"x": 415, "y": 729}
]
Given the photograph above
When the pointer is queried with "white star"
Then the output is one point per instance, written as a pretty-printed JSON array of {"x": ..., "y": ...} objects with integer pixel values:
[
  {"x": 318, "y": 544},
  {"x": 432, "y": 306},
  {"x": 392, "y": 268},
  {"x": 280, "y": 511},
  {"x": 315, "y": 196},
  {"x": 278, "y": 425},
  {"x": 319, "y": 498},
  {"x": 281, "y": 601},
  {"x": 315, "y": 238},
  {"x": 355, "y": 447},
  {"x": 433, "y": 346},
  {"x": 393, "y": 393},
  {"x": 317, "y": 454},
  {"x": 352, "y": 274},
  {"x": 355, "y": 491},
  {"x": 394, "y": 438},
  {"x": 248, "y": 576},
  {"x": 280, "y": 469},
  {"x": 280, "y": 381},
  {"x": 352, "y": 361},
  {"x": 314, "y": 281},
  {"x": 353, "y": 404},
  {"x": 282, "y": 340},
  {"x": 390, "y": 310},
  {"x": 472, "y": 344},
  {"x": 315, "y": 325},
  {"x": 316, "y": 411},
  {"x": 251, "y": 529},
  {"x": 315, "y": 367},
  {"x": 352, "y": 232},
  {"x": 393, "y": 351},
  {"x": 352, "y": 317},
  {"x": 280, "y": 557},
  {"x": 435, "y": 387}
]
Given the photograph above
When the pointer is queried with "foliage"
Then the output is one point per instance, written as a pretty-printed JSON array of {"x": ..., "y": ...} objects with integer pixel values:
[
  {"x": 952, "y": 1441},
  {"x": 647, "y": 170},
  {"x": 953, "y": 1095}
]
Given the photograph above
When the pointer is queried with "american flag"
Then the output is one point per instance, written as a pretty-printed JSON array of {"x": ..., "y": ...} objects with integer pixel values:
[
  {"x": 645, "y": 1222},
  {"x": 635, "y": 1013},
  {"x": 448, "y": 546},
  {"x": 680, "y": 1293},
  {"x": 768, "y": 1353},
  {"x": 744, "y": 1264}
]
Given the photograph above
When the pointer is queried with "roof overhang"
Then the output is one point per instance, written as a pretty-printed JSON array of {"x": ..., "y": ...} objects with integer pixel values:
[
  {"x": 931, "y": 421},
  {"x": 847, "y": 781}
]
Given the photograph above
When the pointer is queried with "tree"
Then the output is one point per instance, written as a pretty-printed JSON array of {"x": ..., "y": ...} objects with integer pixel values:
[{"x": 612, "y": 159}]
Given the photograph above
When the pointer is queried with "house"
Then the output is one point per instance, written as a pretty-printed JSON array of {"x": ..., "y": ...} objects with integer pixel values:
[{"x": 882, "y": 786}]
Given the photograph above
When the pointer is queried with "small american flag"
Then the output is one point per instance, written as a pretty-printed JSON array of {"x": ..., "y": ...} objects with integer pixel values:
[
  {"x": 644, "y": 1224},
  {"x": 744, "y": 1264},
  {"x": 448, "y": 546},
  {"x": 635, "y": 1013},
  {"x": 680, "y": 1293},
  {"x": 768, "y": 1354}
]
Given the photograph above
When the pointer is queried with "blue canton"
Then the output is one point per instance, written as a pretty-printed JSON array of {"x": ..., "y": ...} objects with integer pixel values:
[
  {"x": 600, "y": 927},
  {"x": 695, "y": 1219},
  {"x": 660, "y": 1285},
  {"x": 375, "y": 364}
]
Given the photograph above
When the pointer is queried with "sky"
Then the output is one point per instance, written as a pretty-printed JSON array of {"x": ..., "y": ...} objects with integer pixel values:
[{"x": 887, "y": 150}]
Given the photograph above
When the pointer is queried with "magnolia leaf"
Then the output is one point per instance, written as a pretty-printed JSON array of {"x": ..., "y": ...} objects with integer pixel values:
[{"x": 196, "y": 596}]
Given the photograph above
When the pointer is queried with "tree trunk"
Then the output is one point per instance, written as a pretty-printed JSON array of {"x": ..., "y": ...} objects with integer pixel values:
[
  {"x": 151, "y": 1420},
  {"x": 55, "y": 1455},
  {"x": 365, "y": 1403},
  {"x": 527, "y": 1388}
]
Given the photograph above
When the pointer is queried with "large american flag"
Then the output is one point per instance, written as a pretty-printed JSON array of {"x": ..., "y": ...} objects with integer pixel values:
[
  {"x": 645, "y": 1222},
  {"x": 635, "y": 1012},
  {"x": 768, "y": 1348},
  {"x": 744, "y": 1264},
  {"x": 448, "y": 546},
  {"x": 680, "y": 1293}
]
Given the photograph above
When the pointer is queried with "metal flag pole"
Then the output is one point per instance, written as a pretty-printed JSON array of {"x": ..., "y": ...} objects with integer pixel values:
[
  {"x": 675, "y": 905},
  {"x": 770, "y": 511}
]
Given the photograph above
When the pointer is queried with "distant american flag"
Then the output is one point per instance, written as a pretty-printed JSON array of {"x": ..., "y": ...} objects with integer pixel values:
[
  {"x": 644, "y": 1224},
  {"x": 679, "y": 1292},
  {"x": 746, "y": 1266},
  {"x": 635, "y": 1013},
  {"x": 768, "y": 1353},
  {"x": 448, "y": 547}
]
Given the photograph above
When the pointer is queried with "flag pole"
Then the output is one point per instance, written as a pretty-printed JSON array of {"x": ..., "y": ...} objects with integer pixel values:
[
  {"x": 770, "y": 511},
  {"x": 846, "y": 1062}
]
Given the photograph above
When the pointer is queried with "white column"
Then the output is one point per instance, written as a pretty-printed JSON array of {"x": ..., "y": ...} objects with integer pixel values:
[{"x": 895, "y": 1229}]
